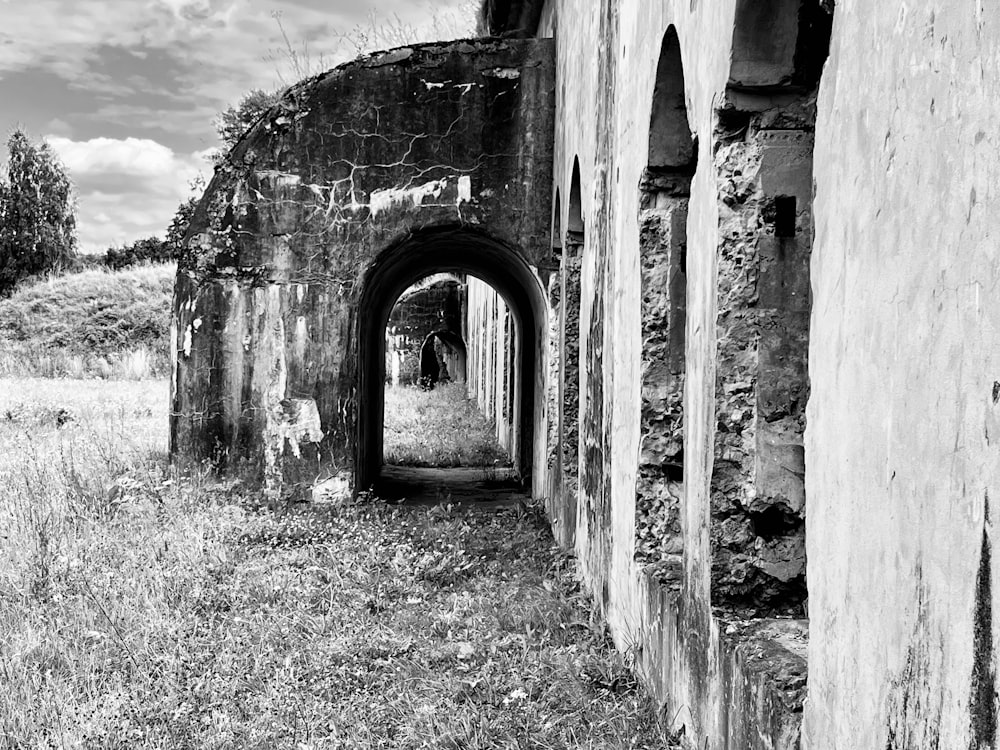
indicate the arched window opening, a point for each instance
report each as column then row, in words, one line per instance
column 764, row 142
column 665, row 190
column 671, row 144
column 565, row 401
column 557, row 240
column 575, row 226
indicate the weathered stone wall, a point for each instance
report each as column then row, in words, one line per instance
column 904, row 361
column 890, row 473
column 358, row 183
column 758, row 493
column 659, row 490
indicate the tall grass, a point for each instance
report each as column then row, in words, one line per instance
column 440, row 427
column 131, row 364
column 96, row 323
column 140, row 607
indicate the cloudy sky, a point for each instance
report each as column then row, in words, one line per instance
column 127, row 91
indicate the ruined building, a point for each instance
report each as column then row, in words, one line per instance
column 741, row 342
column 425, row 340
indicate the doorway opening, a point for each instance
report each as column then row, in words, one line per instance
column 450, row 324
column 441, row 429
column 664, row 194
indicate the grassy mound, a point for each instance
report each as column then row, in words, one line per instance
column 95, row 323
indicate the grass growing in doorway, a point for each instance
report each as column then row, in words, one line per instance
column 440, row 427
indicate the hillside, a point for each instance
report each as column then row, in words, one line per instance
column 94, row 323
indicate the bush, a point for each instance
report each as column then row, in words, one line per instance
column 149, row 250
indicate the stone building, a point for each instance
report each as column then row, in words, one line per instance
column 739, row 328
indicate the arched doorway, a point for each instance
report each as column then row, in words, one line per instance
column 453, row 250
column 665, row 188
column 442, row 358
column 763, row 140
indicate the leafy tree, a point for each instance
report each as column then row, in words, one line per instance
column 234, row 121
column 148, row 250
column 179, row 225
column 37, row 220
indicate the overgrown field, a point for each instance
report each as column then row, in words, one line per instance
column 97, row 323
column 141, row 607
column 441, row 427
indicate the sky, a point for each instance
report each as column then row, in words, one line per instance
column 127, row 91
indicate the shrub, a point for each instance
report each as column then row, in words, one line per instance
column 149, row 250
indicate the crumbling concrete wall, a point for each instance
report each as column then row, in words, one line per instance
column 904, row 361
column 356, row 184
column 649, row 422
column 758, row 491
column 890, row 473
column 659, row 482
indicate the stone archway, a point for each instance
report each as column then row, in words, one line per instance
column 357, row 183
column 462, row 250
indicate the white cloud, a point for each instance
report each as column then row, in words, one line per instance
column 127, row 188
column 131, row 156
column 212, row 10
column 158, row 71
column 238, row 36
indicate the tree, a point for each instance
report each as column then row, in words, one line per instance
column 234, row 121
column 37, row 219
column 148, row 250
